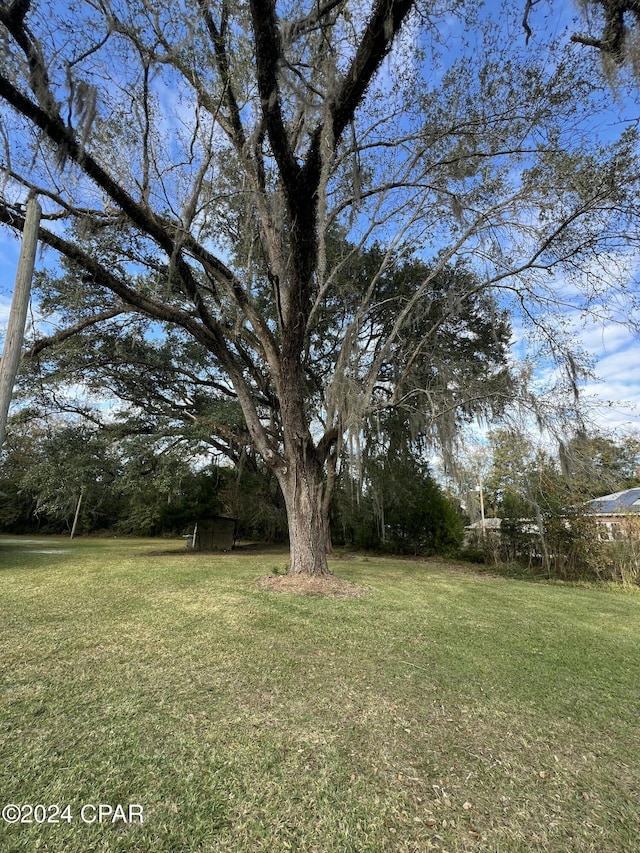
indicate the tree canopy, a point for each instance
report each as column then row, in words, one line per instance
column 241, row 188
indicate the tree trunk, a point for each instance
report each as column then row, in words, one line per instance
column 302, row 489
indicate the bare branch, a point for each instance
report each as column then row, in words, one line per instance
column 268, row 48
column 64, row 334
column 385, row 22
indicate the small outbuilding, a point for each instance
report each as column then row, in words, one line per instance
column 213, row 534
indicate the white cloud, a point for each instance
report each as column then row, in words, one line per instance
column 605, row 339
column 614, row 396
column 616, row 392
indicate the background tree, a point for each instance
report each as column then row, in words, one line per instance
column 53, row 473
column 163, row 489
column 542, row 498
column 387, row 497
column 17, row 504
column 145, row 484
column 211, row 212
column 595, row 464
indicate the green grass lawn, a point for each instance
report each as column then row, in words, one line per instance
column 447, row 710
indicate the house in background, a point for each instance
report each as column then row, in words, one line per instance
column 617, row 515
column 476, row 533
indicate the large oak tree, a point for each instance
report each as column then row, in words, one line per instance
column 198, row 163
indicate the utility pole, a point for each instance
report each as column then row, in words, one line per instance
column 18, row 315
column 77, row 515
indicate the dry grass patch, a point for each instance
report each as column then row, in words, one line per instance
column 329, row 586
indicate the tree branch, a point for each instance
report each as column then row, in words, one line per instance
column 310, row 21
column 64, row 334
column 375, row 44
column 589, row 41
column 268, row 47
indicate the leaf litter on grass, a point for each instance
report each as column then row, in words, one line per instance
column 328, row 586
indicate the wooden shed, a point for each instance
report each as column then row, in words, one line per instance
column 213, row 534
